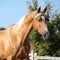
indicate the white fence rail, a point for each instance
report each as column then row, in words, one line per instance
column 34, row 56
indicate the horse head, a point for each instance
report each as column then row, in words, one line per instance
column 39, row 23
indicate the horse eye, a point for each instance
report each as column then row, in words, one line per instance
column 40, row 20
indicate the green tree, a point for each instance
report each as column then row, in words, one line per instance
column 52, row 45
column 32, row 7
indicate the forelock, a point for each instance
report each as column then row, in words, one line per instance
column 38, row 15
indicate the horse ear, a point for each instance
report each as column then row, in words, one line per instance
column 39, row 9
column 45, row 9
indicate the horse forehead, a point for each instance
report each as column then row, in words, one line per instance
column 40, row 14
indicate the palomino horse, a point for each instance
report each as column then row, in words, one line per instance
column 40, row 26
column 13, row 40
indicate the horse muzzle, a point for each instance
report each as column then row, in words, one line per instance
column 45, row 35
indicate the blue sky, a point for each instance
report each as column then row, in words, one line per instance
column 12, row 10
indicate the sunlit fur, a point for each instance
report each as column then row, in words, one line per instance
column 40, row 26
column 14, row 38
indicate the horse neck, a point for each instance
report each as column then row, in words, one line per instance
column 24, row 26
column 27, row 33
column 23, row 32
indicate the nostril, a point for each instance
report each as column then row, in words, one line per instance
column 45, row 35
